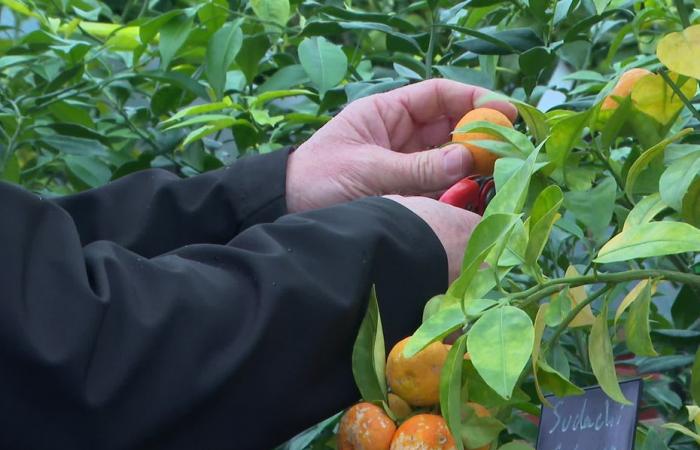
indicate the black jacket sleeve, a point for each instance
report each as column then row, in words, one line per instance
column 154, row 211
column 233, row 346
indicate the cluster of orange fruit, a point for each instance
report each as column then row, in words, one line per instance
column 414, row 382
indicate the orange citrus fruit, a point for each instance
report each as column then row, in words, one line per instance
column 624, row 87
column 365, row 427
column 483, row 159
column 423, row 432
column 416, row 379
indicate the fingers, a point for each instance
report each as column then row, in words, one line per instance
column 429, row 171
column 421, row 115
column 428, row 100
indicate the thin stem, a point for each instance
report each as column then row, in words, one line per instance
column 541, row 291
column 572, row 315
column 680, row 94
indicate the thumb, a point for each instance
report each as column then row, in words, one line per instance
column 434, row 170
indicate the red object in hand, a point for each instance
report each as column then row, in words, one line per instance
column 472, row 193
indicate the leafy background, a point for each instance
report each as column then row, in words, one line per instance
column 91, row 91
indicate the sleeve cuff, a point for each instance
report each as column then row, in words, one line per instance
column 258, row 184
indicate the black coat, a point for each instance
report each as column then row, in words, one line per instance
column 192, row 314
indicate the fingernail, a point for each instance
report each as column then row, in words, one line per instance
column 456, row 160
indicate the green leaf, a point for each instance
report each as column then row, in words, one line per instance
column 683, row 430
column 90, row 171
column 276, row 11
column 222, row 49
column 565, row 134
column 324, row 62
column 676, row 180
column 601, row 5
column 150, row 29
column 285, row 78
column 645, row 211
column 516, row 40
column 451, row 388
column 252, row 50
column 695, row 379
column 198, row 109
column 11, row 171
column 438, row 325
column 206, row 118
column 647, row 157
column 535, row 119
column 265, row 97
column 172, row 36
column 601, row 357
column 500, row 344
column 510, row 198
column 490, row 231
column 542, row 217
column 555, row 382
column 368, row 354
column 593, row 208
column 539, row 331
column 559, row 308
column 516, row 446
column 650, row 239
column 637, row 325
column 212, row 127
column 630, row 298
column 515, row 138
column 476, row 431
column 690, row 211
column 466, row 75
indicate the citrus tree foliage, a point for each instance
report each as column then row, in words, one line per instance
column 584, row 270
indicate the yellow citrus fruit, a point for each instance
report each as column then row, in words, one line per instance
column 365, row 427
column 398, row 406
column 624, row 87
column 416, row 379
column 423, row 432
column 483, row 159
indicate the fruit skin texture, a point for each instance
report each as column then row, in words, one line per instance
column 416, row 379
column 624, row 87
column 365, row 426
column 423, row 432
column 483, row 159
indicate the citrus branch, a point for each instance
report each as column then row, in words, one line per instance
column 547, row 288
column 572, row 315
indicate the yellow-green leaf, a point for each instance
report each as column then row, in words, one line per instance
column 678, row 51
column 648, row 156
column 637, row 325
column 276, row 11
column 578, row 294
column 654, row 97
column 683, row 430
column 650, row 239
column 631, row 296
column 539, row 331
column 601, row 357
column 645, row 211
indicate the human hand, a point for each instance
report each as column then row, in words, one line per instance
column 453, row 226
column 381, row 145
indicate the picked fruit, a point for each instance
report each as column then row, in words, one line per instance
column 484, row 160
column 416, row 379
column 624, row 87
column 365, row 426
column 423, row 432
